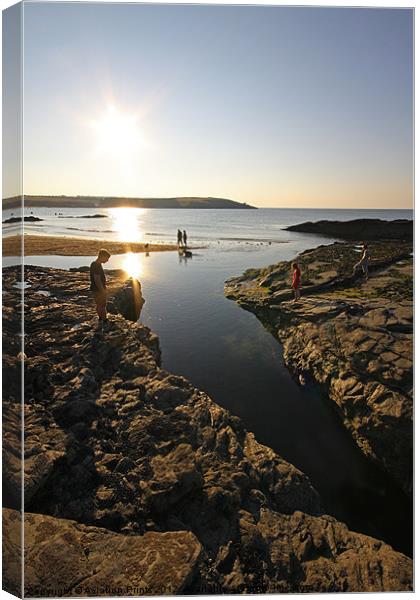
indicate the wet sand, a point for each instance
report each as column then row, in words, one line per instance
column 37, row 245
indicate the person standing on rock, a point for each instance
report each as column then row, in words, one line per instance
column 185, row 238
column 98, row 284
column 296, row 281
column 363, row 264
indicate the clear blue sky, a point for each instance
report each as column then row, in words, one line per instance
column 273, row 106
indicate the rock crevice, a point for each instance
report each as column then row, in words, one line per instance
column 126, row 455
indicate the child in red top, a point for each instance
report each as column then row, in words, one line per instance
column 296, row 281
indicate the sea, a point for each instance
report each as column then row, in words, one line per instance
column 226, row 228
column 225, row 351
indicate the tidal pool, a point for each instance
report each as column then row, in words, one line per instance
column 225, row 351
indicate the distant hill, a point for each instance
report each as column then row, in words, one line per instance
column 112, row 201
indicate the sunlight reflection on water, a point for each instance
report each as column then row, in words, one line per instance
column 128, row 224
column 132, row 264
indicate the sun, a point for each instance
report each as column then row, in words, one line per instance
column 118, row 134
column 132, row 265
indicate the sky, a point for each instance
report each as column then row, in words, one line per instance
column 274, row 106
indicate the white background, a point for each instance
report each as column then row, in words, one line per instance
column 390, row 4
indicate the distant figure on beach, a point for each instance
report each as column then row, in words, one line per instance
column 98, row 284
column 179, row 238
column 296, row 281
column 363, row 264
column 185, row 238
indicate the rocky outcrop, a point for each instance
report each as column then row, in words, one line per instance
column 325, row 268
column 65, row 558
column 30, row 219
column 95, row 216
column 359, row 229
column 316, row 551
column 45, row 444
column 141, row 453
column 355, row 339
column 12, row 396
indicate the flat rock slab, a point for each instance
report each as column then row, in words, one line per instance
column 323, row 269
column 65, row 558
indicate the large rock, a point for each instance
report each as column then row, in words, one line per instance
column 309, row 553
column 65, row 558
column 359, row 229
column 128, row 300
column 31, row 219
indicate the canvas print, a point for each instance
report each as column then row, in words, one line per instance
column 207, row 299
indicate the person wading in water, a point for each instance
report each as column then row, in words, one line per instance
column 179, row 238
column 98, row 284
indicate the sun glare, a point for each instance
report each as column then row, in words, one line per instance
column 118, row 134
column 132, row 265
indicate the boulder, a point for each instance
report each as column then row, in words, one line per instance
column 128, row 300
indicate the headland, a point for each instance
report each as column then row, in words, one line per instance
column 117, row 201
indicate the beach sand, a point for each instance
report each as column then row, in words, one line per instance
column 37, row 245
